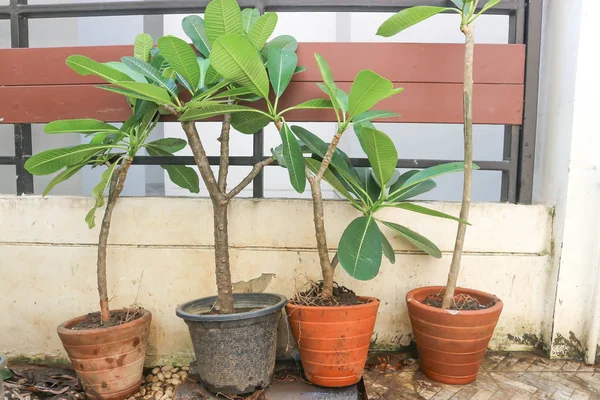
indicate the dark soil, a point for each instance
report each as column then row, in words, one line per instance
column 94, row 321
column 461, row 302
column 313, row 296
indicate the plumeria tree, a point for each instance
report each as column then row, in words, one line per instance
column 112, row 147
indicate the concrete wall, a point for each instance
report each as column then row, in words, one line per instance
column 161, row 255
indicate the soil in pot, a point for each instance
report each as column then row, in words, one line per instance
column 120, row 317
column 235, row 353
column 452, row 343
column 333, row 339
column 109, row 361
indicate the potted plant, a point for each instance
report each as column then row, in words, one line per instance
column 237, row 74
column 333, row 326
column 107, row 348
column 452, row 326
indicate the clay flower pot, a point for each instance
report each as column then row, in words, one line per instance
column 333, row 341
column 108, row 361
column 451, row 343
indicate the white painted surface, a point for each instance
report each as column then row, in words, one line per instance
column 48, row 263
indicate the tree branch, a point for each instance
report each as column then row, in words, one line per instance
column 246, row 181
column 328, row 155
column 224, row 159
column 202, row 161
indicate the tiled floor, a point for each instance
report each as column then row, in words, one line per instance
column 503, row 376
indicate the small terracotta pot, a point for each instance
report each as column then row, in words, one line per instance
column 451, row 343
column 108, row 361
column 333, row 341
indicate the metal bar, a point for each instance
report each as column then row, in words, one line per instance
column 533, row 36
column 19, row 37
column 511, row 154
column 96, row 9
column 357, row 162
column 22, row 152
column 258, row 145
column 7, row 160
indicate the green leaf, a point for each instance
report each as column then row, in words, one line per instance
column 330, row 87
column 388, row 250
column 407, row 18
column 204, row 65
column 193, row 26
column 402, row 180
column 235, row 92
column 281, row 66
column 360, row 248
column 237, row 60
column 98, row 193
column 373, row 114
column 329, row 177
column 181, row 58
column 182, row 176
column 86, row 66
column 85, row 126
column 51, row 161
column 434, row 171
column 169, row 73
column 144, row 91
column 381, row 152
column 249, row 122
column 63, row 176
column 212, row 76
column 369, row 183
column 149, row 71
column 367, row 90
column 283, row 42
column 488, row 5
column 412, row 191
column 263, row 29
column 428, row 211
column 222, row 17
column 142, row 46
column 170, row 145
column 299, row 69
column 458, row 3
column 249, row 18
column 313, row 104
column 159, row 62
column 419, row 241
column 339, row 160
column 134, row 75
column 294, row 160
column 213, row 110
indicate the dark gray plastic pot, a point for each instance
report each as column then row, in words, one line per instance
column 235, row 353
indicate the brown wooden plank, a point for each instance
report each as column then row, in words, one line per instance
column 399, row 62
column 420, row 102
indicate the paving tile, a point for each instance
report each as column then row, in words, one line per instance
column 580, row 395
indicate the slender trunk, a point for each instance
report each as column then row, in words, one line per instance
column 327, row 270
column 224, row 159
column 116, row 187
column 223, row 268
column 468, row 30
column 327, row 267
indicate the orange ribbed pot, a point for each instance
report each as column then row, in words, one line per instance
column 108, row 361
column 451, row 344
column 333, row 341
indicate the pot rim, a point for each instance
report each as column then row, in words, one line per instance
column 492, row 310
column 373, row 300
column 280, row 302
column 63, row 330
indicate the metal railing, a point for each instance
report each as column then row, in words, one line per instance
column 525, row 20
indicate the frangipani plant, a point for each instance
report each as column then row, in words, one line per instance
column 368, row 190
column 113, row 147
column 467, row 10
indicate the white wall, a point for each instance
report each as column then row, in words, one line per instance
column 47, row 264
column 567, row 165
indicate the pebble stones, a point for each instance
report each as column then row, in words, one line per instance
column 160, row 383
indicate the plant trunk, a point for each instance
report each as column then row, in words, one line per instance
column 222, row 266
column 220, row 204
column 116, row 187
column 327, row 267
column 468, row 30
